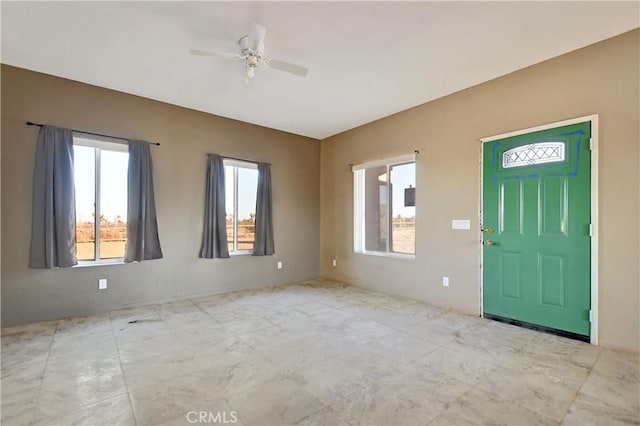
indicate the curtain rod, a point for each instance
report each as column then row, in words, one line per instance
column 242, row 159
column 29, row 123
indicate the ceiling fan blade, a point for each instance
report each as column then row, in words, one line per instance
column 287, row 67
column 220, row 53
column 256, row 37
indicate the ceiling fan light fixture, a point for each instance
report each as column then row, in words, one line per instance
column 251, row 71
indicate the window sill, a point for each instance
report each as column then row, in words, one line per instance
column 104, row 262
column 241, row 253
column 390, row 255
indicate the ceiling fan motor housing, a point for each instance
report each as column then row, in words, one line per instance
column 251, row 56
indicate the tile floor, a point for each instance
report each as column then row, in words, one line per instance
column 314, row 353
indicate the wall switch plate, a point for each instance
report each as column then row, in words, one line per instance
column 460, row 224
column 445, row 281
column 334, row 262
column 102, row 284
column 279, row 264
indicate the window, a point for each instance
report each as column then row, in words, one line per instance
column 536, row 153
column 241, row 188
column 384, row 210
column 100, row 174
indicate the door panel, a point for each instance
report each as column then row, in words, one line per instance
column 553, row 206
column 511, row 275
column 511, row 214
column 552, row 280
column 536, row 196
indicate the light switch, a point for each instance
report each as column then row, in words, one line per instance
column 460, row 224
column 102, row 284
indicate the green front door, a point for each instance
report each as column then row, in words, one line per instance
column 536, row 220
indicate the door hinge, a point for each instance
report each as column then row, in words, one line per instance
column 591, row 229
column 590, row 144
column 590, row 315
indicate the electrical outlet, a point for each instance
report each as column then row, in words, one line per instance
column 445, row 281
column 102, row 284
column 279, row 264
column 334, row 262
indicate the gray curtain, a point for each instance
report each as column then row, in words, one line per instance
column 264, row 213
column 143, row 242
column 214, row 240
column 53, row 226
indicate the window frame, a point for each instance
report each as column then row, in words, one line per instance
column 236, row 164
column 359, row 222
column 99, row 143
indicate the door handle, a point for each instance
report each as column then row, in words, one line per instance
column 488, row 243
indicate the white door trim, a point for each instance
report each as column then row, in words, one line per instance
column 594, row 207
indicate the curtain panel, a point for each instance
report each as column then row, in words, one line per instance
column 53, row 222
column 264, row 245
column 143, row 242
column 214, row 240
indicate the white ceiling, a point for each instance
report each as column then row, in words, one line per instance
column 366, row 60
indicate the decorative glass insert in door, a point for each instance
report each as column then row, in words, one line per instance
column 535, row 153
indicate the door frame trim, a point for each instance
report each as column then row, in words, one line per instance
column 593, row 119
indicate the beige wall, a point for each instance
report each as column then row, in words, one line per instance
column 601, row 79
column 180, row 168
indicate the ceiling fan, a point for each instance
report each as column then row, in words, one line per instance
column 251, row 51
